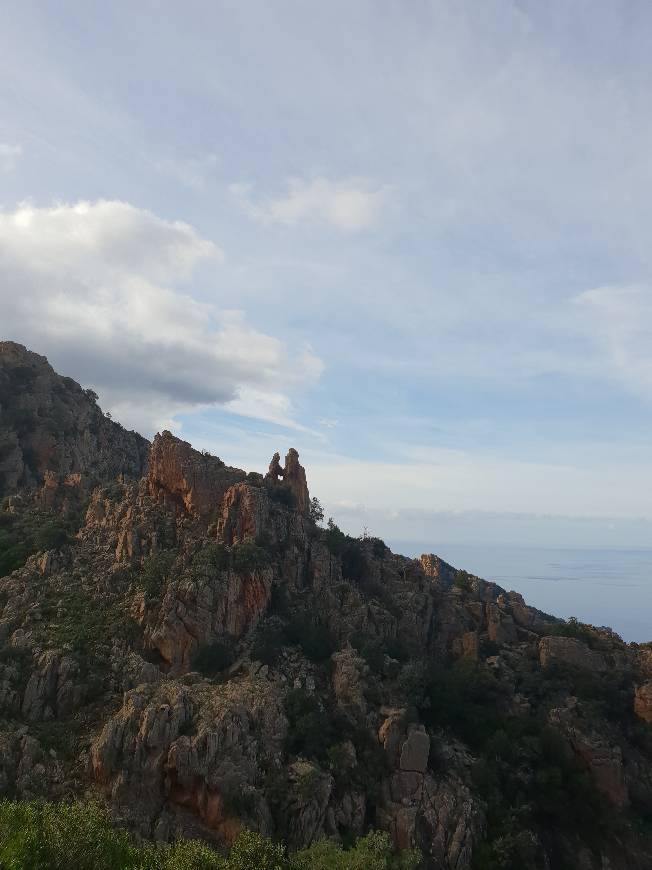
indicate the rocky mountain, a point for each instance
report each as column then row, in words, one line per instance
column 186, row 642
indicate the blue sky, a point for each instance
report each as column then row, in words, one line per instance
column 411, row 240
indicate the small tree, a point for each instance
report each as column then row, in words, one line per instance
column 316, row 510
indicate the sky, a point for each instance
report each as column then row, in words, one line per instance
column 410, row 240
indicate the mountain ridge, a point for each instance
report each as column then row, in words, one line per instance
column 184, row 641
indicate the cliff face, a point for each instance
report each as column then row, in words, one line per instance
column 199, row 654
column 52, row 433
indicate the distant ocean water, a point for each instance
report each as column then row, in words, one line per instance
column 602, row 586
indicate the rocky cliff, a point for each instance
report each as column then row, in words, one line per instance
column 181, row 640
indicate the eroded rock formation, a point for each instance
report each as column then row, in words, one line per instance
column 200, row 653
column 177, row 474
column 292, row 476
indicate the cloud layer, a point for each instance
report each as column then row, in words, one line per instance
column 349, row 206
column 621, row 319
column 9, row 156
column 97, row 287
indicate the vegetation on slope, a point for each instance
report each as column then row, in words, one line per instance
column 42, row 836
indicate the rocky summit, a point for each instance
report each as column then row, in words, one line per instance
column 187, row 643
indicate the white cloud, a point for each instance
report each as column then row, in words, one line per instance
column 620, row 318
column 350, row 206
column 92, row 285
column 9, row 156
column 192, row 172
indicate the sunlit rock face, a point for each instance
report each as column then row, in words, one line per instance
column 177, row 474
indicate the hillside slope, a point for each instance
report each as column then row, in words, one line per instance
column 182, row 640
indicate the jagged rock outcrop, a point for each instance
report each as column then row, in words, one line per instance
column 292, row 477
column 570, row 651
column 198, row 610
column 53, row 689
column 51, row 430
column 190, row 747
column 438, row 814
column 179, row 475
column 196, row 651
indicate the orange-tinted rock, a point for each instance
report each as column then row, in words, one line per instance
column 643, row 701
column 294, row 475
column 179, row 474
column 436, row 569
column 245, row 513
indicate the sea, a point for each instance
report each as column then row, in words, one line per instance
column 610, row 587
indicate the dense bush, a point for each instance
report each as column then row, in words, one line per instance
column 247, row 555
column 464, row 699
column 210, row 559
column 319, row 732
column 526, row 771
column 35, row 836
column 22, row 535
column 310, row 732
column 530, row 766
column 314, row 638
column 349, row 550
column 578, row 630
column 335, row 538
column 281, row 494
column 155, row 572
column 378, row 547
column 300, row 630
column 463, row 580
column 268, row 642
column 49, row 836
column 374, row 650
column 372, row 852
column 74, row 618
column 213, row 658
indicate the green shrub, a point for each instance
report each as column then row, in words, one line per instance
column 350, row 551
column 314, row 638
column 41, row 836
column 281, row 495
column 311, row 729
column 248, row 556
column 156, row 571
column 73, row 836
column 213, row 658
column 268, row 642
column 373, row 852
column 210, row 560
column 22, row 535
column 316, row 511
column 379, row 548
column 252, row 850
column 353, row 560
column 335, row 538
column 463, row 580
column 463, row 699
column 578, row 630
